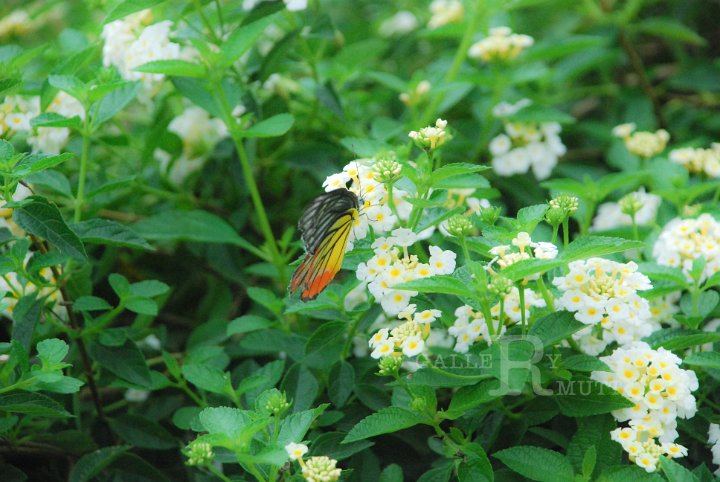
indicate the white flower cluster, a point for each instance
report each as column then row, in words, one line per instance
column 505, row 255
column 661, row 391
column 315, row 469
column 610, row 215
column 392, row 265
column 684, row 240
column 470, row 326
column 698, row 160
column 374, row 211
column 501, row 44
column 603, row 295
column 417, row 94
column 641, row 143
column 17, row 23
column 662, row 308
column 444, row 12
column 199, row 134
column 291, row 5
column 462, row 198
column 16, row 112
column 129, row 43
column 714, row 439
column 430, row 137
column 401, row 23
column 525, row 145
column 408, row 338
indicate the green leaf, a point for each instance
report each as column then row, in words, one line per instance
column 469, row 397
column 93, row 463
column 676, row 472
column 325, row 345
column 582, row 397
column 341, row 382
column 126, row 7
column 125, row 361
column 455, row 169
column 43, row 219
column 206, row 377
column 301, row 387
column 70, row 84
column 554, row 327
column 177, row 67
column 588, row 463
column 142, row 432
column 438, row 474
column 224, row 420
column 52, row 351
column 241, row 40
column 387, row 420
column 247, row 324
column 679, row 340
column 142, row 306
column 197, row 226
column 594, row 431
column 103, row 231
column 437, row 284
column 6, row 150
column 53, row 119
column 106, row 108
column 706, row 303
column 330, row 444
column 31, row 403
column 275, row 126
column 52, row 180
column 592, row 246
column 585, row 363
column 39, row 162
column 705, row 359
column 537, row 463
column 149, row 288
column 477, row 467
column 295, row 426
column 26, row 315
column 669, row 28
column 539, row 113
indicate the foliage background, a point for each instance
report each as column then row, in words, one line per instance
column 594, row 65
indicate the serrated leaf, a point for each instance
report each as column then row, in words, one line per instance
column 536, row 463
column 125, row 361
column 581, row 398
column 705, row 359
column 247, row 324
column 437, row 284
column 52, row 351
column 32, row 403
column 103, row 231
column 43, row 219
column 93, row 463
column 106, row 108
column 142, row 432
column 387, row 420
column 176, row 67
column 242, row 39
column 273, row 127
column 554, row 327
column 206, row 377
column 53, row 119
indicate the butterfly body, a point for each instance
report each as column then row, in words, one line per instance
column 325, row 228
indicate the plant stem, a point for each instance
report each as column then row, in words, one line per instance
column 547, row 296
column 80, row 196
column 521, row 295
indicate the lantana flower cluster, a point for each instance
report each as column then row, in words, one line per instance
column 406, row 339
column 392, row 265
column 132, row 41
column 505, row 255
column 444, row 12
column 641, row 143
column 603, row 295
column 682, row 241
column 470, row 325
column 16, row 112
column 699, row 160
column 315, row 469
column 615, row 214
column 714, row 439
column 199, row 134
column 662, row 393
column 431, row 137
column 501, row 45
column 359, row 177
column 525, row 145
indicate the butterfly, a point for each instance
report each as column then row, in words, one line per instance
column 325, row 227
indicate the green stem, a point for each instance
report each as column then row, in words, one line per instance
column 547, row 296
column 237, row 138
column 460, row 54
column 521, row 295
column 566, row 233
column 636, row 236
column 217, row 473
column 80, row 197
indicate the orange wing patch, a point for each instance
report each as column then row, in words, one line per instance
column 318, row 269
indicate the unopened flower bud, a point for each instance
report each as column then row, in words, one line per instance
column 386, row 170
column 459, row 225
column 500, row 285
column 199, row 453
column 389, row 365
column 490, row 214
column 630, row 204
column 430, row 138
column 273, row 402
column 567, row 203
column 321, row 469
column 555, row 216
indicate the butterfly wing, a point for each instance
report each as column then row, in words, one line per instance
column 325, row 227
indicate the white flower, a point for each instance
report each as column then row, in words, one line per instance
column 136, row 396
column 684, row 240
column 412, row 346
column 522, row 240
column 610, row 215
column 624, row 130
column 714, row 439
column 444, row 12
column 295, row 5
column 402, row 22
column 501, row 45
column 403, row 237
column 355, row 297
column 543, row 250
column 384, row 348
column 603, row 294
column 295, row 450
column 427, row 316
column 442, row 262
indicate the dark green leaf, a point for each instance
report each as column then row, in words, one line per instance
column 31, row 403
column 537, row 463
column 103, row 231
column 142, row 432
column 125, row 361
column 93, row 463
column 387, row 420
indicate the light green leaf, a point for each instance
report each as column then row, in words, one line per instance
column 669, row 28
column 126, row 7
column 676, row 472
column 537, row 463
column 592, row 246
column 274, row 126
column 52, row 351
column 387, row 420
column 455, row 169
column 705, row 359
column 437, row 284
column 176, row 67
column 206, row 377
column 241, row 40
column 53, row 119
column 106, row 108
column 539, row 113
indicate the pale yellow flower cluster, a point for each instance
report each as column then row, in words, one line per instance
column 642, row 143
